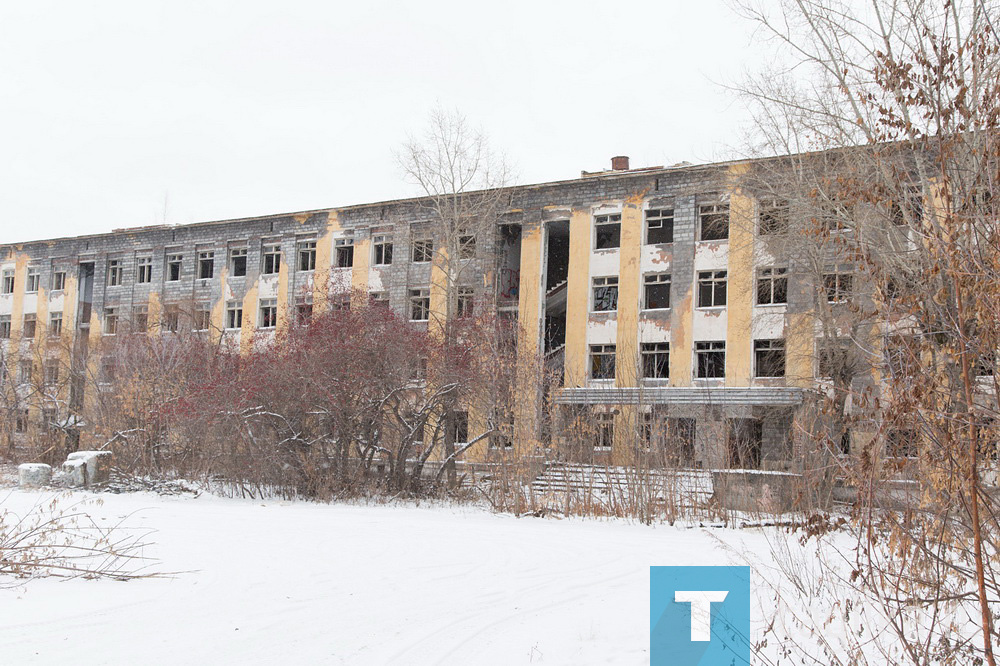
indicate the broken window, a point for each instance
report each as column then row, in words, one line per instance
column 772, row 286
column 379, row 299
column 604, row 431
column 605, row 291
column 657, row 291
column 832, row 357
column 837, row 286
column 383, row 250
column 769, row 358
column 174, row 267
column 48, row 418
column 140, row 318
column 656, row 360
column 908, row 208
column 106, row 374
column 144, row 270
column 237, row 261
column 234, row 314
column 202, row 317
column 21, row 420
column 206, row 265
column 774, row 216
column 7, row 281
column 268, row 312
column 24, row 371
column 307, row 255
column 59, row 280
column 602, row 361
column 711, row 289
column 110, row 321
column 4, row 327
column 659, row 226
column 711, row 358
column 272, row 258
column 55, row 324
column 30, row 324
column 115, row 271
column 466, row 247
column 713, row 222
column 420, row 304
column 608, row 231
column 834, row 216
column 51, row 372
column 303, row 311
column 460, row 434
column 345, row 252
column 465, row 302
column 423, row 250
column 172, row 318
column 34, row 280
column 679, row 444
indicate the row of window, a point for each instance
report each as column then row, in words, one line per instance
column 33, row 281
column 29, row 325
column 710, row 360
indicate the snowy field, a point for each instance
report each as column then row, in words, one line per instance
column 299, row 583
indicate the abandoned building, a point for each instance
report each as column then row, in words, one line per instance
column 644, row 286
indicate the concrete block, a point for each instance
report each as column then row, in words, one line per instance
column 97, row 465
column 75, row 473
column 33, row 475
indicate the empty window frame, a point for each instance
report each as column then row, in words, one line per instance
column 34, row 280
column 303, row 311
column 602, row 361
column 607, row 231
column 59, row 280
column 712, row 289
column 172, row 318
column 907, row 208
column 144, row 270
column 655, row 360
column 460, row 427
column 656, row 291
column 25, row 369
column 379, row 299
column 29, row 325
column 832, row 357
column 659, row 226
column 21, row 421
column 772, row 286
column 268, row 313
column 7, row 281
column 467, row 247
column 834, row 216
column 344, row 252
column 769, row 358
column 465, row 300
column 713, row 222
column 174, row 262
column 110, row 321
column 50, row 372
column 605, row 294
column 604, row 431
column 115, row 272
column 837, row 286
column 307, row 255
column 140, row 318
column 4, row 327
column 773, row 217
column 202, row 317
column 420, row 304
column 423, row 250
column 238, row 261
column 55, row 324
column 206, row 265
column 272, row 258
column 383, row 250
column 711, row 359
column 234, row 315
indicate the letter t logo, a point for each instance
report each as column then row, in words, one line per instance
column 701, row 610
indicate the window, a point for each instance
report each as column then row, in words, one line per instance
column 7, row 281
column 307, row 255
column 656, row 291
column 21, row 421
column 203, row 317
column 33, row 282
column 608, row 231
column 423, row 250
column 985, row 365
column 238, row 261
column 51, row 373
column 713, row 222
column 106, row 374
column 655, row 360
column 711, row 289
column 711, row 358
column 465, row 302
column 909, row 210
column 602, row 361
column 604, row 431
column 268, row 313
column 140, row 318
column 115, row 272
column 834, row 216
column 466, row 247
column 24, row 371
column 383, row 250
column 460, row 434
column 774, row 217
column 272, row 258
column 838, row 287
column 605, row 290
column 340, row 301
column 345, row 252
column 143, row 270
column 769, row 358
column 845, row 442
column 58, row 280
column 4, row 327
column 110, row 321
column 303, row 311
column 420, row 304
column 172, row 318
column 206, row 265
column 30, row 323
column 234, row 314
column 48, row 418
column 174, row 267
column 772, row 286
column 901, row 443
column 379, row 299
column 832, row 357
column 55, row 324
column 902, row 355
column 660, row 226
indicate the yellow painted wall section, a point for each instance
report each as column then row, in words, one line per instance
column 249, row 329
column 577, row 300
column 439, row 292
column 681, row 323
column 70, row 303
column 628, row 292
column 739, row 332
column 17, row 305
column 42, row 314
column 324, row 256
column 529, row 315
column 359, row 274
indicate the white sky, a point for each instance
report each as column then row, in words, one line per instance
column 229, row 109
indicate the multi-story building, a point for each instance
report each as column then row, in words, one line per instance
column 645, row 286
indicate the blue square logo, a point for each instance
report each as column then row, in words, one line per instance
column 699, row 616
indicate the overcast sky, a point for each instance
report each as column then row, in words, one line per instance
column 120, row 114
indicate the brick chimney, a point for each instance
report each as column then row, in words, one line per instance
column 619, row 163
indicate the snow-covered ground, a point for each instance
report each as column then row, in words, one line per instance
column 300, row 583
